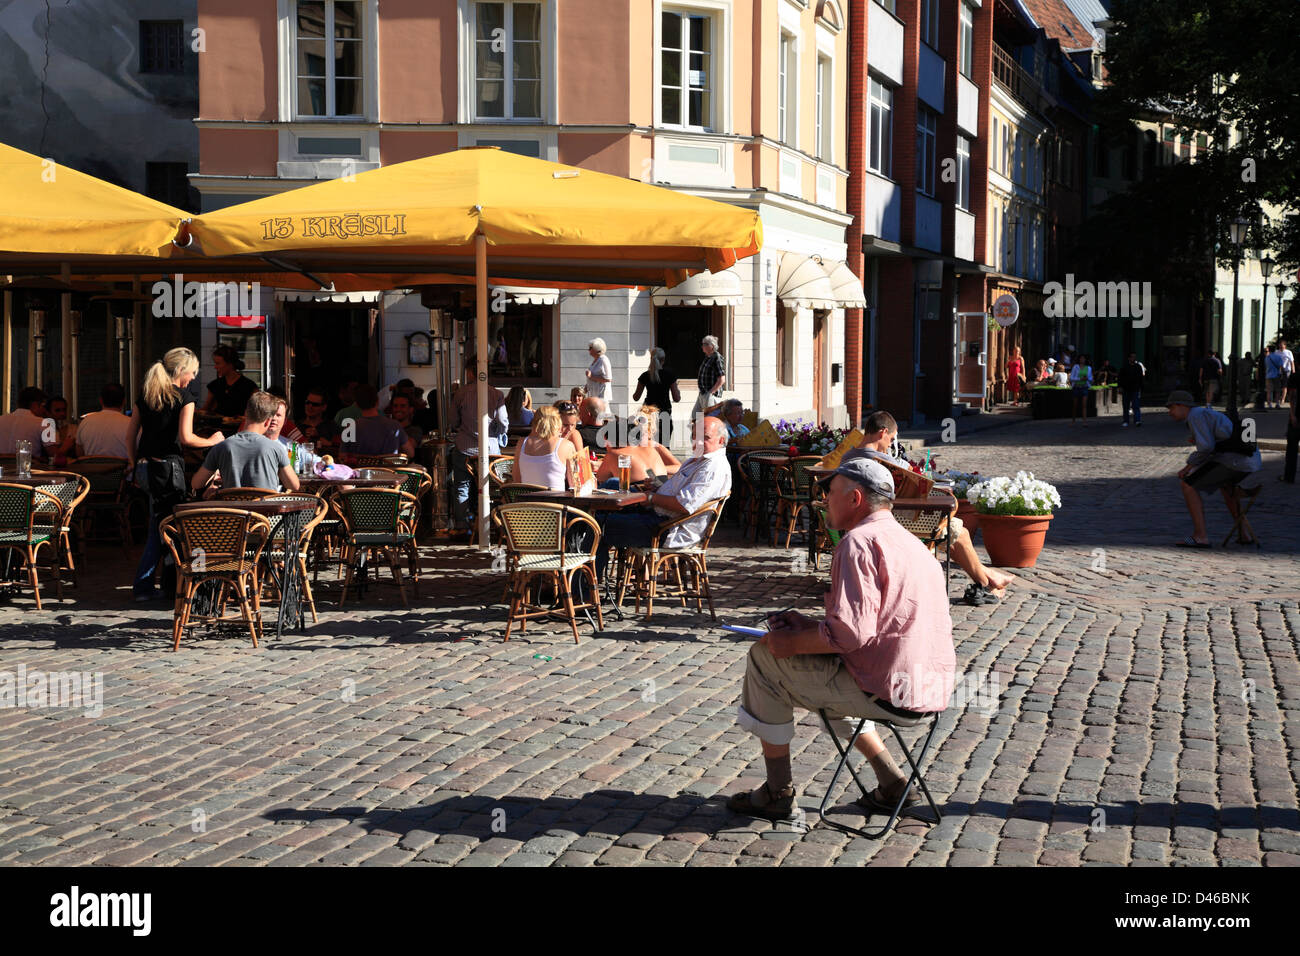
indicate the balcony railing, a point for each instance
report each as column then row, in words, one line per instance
column 1013, row 77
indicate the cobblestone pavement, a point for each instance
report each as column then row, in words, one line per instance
column 1146, row 710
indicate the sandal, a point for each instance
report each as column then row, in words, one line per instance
column 774, row 808
column 1192, row 543
column 875, row 802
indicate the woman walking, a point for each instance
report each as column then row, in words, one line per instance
column 1080, row 389
column 600, row 374
column 659, row 385
column 1015, row 375
column 543, row 456
column 164, row 424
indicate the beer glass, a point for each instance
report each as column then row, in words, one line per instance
column 23, row 456
column 624, row 472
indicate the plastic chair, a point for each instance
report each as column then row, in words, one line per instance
column 221, row 545
column 643, row 565
column 535, row 536
column 20, row 531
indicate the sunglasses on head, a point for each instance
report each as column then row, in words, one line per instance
column 567, row 408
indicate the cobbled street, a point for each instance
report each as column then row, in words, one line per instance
column 1145, row 709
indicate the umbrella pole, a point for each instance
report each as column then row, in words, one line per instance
column 481, row 332
column 67, row 384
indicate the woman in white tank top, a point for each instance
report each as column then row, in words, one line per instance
column 542, row 457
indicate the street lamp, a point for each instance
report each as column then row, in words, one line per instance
column 1265, row 269
column 1237, row 232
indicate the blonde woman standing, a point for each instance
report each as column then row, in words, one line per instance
column 164, row 424
column 659, row 385
column 542, row 457
column 600, row 374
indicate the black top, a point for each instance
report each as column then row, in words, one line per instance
column 1130, row 377
column 158, row 430
column 232, row 399
column 661, row 395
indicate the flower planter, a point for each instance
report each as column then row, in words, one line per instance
column 968, row 514
column 1014, row 541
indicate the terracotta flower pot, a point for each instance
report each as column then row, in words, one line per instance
column 1014, row 541
column 968, row 514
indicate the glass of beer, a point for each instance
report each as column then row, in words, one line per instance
column 624, row 472
column 23, row 458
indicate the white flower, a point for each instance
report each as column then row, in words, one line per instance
column 1022, row 495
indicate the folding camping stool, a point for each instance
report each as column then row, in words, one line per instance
column 916, row 777
column 1245, row 499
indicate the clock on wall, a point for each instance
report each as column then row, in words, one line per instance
column 419, row 349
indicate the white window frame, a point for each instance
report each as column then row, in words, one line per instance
column 885, row 102
column 507, row 78
column 788, row 88
column 927, row 142
column 930, row 23
column 824, row 132
column 719, row 12
column 467, row 92
column 966, row 41
column 963, row 172
column 287, row 43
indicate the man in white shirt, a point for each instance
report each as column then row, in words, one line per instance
column 702, row 477
column 106, row 432
column 29, row 420
column 1288, row 366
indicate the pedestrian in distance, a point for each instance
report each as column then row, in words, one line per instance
column 1130, row 389
column 1080, row 388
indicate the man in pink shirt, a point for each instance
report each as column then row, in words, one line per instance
column 884, row 650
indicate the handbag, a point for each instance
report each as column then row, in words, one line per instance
column 165, row 479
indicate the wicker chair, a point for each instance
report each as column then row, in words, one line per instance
column 826, row 539
column 110, row 495
column 21, row 532
column 220, row 545
column 372, row 523
column 794, row 492
column 759, row 485
column 501, row 471
column 379, row 461
column 643, row 565
column 930, row 520
column 276, row 549
column 512, row 490
column 535, row 536
column 71, row 489
column 244, row 494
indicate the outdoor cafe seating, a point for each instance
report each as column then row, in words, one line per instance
column 23, row 534
column 644, row 566
column 373, row 527
column 540, row 540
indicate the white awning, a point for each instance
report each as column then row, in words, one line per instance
column 325, row 295
column 526, row 295
column 703, row 288
column 846, row 286
column 802, row 283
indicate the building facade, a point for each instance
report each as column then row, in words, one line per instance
column 733, row 101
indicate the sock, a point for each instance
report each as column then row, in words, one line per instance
column 891, row 779
column 779, row 775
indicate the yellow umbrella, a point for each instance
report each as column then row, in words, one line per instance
column 442, row 215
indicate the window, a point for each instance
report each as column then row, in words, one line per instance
column 966, row 42
column 825, row 120
column 930, row 22
column 329, row 85
column 963, row 173
column 527, row 331
column 927, row 128
column 890, row 5
column 1254, row 321
column 686, row 92
column 880, row 155
column 169, row 183
column 785, row 326
column 995, row 139
column 508, row 61
column 679, row 328
column 162, row 46
column 1006, row 151
column 787, row 100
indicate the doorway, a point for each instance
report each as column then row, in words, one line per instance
column 327, row 345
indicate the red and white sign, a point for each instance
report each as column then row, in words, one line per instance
column 241, row 321
column 1006, row 310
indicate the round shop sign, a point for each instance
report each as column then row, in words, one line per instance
column 1006, row 310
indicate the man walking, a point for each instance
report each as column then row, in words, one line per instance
column 1130, row 388
column 712, row 377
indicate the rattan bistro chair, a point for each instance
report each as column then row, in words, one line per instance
column 372, row 524
column 244, row 494
column 794, row 493
column 930, row 520
column 276, row 550
column 110, row 495
column 535, row 536
column 71, row 490
column 643, row 565
column 221, row 545
column 379, row 461
column 20, row 531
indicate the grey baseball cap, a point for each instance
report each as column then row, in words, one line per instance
column 863, row 468
column 1180, row 397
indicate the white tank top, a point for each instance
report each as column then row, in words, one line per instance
column 546, row 470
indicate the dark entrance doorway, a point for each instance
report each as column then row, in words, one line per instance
column 327, row 345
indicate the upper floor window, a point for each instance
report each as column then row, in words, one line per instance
column 686, row 62
column 963, row 172
column 162, row 46
column 930, row 22
column 966, row 42
column 787, row 100
column 825, row 121
column 927, row 128
column 890, row 5
column 880, row 155
column 508, row 61
column 330, row 77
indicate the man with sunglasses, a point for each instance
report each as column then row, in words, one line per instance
column 314, row 425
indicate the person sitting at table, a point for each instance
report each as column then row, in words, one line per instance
column 987, row 584
column 402, row 411
column 106, row 432
column 315, row 426
column 542, row 457
column 230, row 391
column 277, row 427
column 568, row 412
column 66, row 443
column 248, row 459
column 732, row 411
column 701, row 478
column 28, row 421
column 592, row 415
column 1040, row 374
column 519, row 406
column 884, row 650
column 644, row 452
column 371, row 433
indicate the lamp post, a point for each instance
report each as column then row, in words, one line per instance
column 1237, row 231
column 1265, row 269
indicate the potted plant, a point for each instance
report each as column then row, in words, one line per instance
column 1014, row 514
column 804, row 438
column 961, row 482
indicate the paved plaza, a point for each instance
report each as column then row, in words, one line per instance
column 1129, row 703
